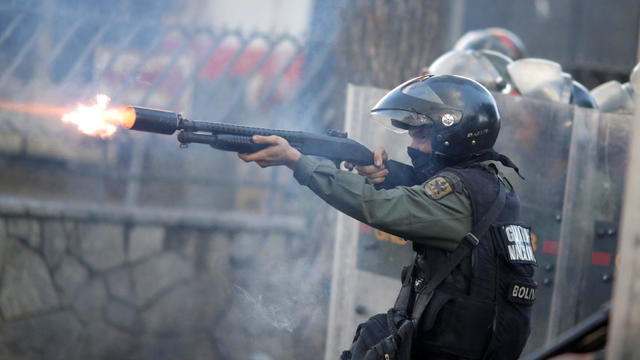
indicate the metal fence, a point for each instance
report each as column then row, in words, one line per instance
column 50, row 61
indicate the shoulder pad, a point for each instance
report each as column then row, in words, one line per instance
column 488, row 166
column 443, row 184
column 492, row 168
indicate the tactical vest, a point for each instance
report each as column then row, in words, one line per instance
column 482, row 309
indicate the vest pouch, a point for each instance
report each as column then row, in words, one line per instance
column 516, row 295
column 455, row 324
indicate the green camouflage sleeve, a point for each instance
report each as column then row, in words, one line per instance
column 437, row 213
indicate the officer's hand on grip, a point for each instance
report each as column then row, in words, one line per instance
column 377, row 172
column 280, row 152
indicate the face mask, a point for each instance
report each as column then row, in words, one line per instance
column 420, row 160
column 425, row 163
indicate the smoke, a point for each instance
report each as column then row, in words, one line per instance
column 157, row 275
column 273, row 313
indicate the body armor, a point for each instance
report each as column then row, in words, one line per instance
column 482, row 309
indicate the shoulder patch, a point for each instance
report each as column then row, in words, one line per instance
column 453, row 180
column 438, row 187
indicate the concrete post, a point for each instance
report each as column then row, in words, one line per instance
column 624, row 324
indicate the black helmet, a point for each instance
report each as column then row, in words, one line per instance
column 494, row 38
column 501, row 62
column 487, row 67
column 580, row 96
column 462, row 113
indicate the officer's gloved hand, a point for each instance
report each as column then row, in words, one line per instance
column 405, row 332
column 386, row 349
column 395, row 346
column 375, row 173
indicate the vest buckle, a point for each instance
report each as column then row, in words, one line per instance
column 471, row 239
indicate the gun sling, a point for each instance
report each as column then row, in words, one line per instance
column 424, row 292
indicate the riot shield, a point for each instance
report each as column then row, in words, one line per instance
column 367, row 262
column 574, row 161
column 591, row 213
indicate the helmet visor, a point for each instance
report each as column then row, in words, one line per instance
column 399, row 121
column 414, row 103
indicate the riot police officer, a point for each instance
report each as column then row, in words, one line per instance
column 469, row 291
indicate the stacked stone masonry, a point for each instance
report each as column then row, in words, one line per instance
column 72, row 289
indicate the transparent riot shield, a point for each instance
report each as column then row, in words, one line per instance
column 367, row 262
column 574, row 161
column 588, row 256
column 536, row 135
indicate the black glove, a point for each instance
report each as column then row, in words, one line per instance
column 396, row 346
column 386, row 349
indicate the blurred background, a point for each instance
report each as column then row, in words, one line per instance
column 130, row 248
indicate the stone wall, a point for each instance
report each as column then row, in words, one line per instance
column 100, row 282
